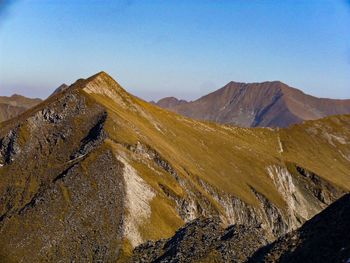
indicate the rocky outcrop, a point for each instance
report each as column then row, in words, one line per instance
column 94, row 138
column 305, row 192
column 203, row 240
column 236, row 211
column 9, row 147
column 62, row 188
column 138, row 195
column 324, row 238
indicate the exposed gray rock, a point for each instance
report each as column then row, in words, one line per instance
column 203, row 239
column 9, row 147
column 324, row 238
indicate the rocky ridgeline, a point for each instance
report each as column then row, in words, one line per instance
column 204, row 239
column 57, row 180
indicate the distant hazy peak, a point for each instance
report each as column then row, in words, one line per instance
column 14, row 96
column 170, row 102
column 16, row 104
column 265, row 104
column 61, row 88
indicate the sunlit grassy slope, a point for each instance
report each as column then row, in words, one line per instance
column 173, row 168
column 230, row 159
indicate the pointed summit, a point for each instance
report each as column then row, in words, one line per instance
column 102, row 76
column 103, row 84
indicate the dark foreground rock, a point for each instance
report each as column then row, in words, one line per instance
column 324, row 238
column 204, row 240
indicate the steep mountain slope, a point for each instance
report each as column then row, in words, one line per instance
column 324, row 238
column 267, row 104
column 93, row 171
column 15, row 105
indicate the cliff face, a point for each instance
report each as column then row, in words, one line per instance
column 266, row 104
column 92, row 172
column 324, row 238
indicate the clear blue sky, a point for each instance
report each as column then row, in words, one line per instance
column 181, row 48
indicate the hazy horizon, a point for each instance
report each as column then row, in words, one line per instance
column 184, row 49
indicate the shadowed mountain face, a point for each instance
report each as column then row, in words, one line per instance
column 267, row 104
column 324, row 238
column 92, row 172
column 15, row 105
column 204, row 240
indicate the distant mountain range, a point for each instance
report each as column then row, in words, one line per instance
column 266, row 104
column 15, row 105
column 93, row 172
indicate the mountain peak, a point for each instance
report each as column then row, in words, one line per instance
column 102, row 78
column 102, row 84
column 101, row 75
column 264, row 104
column 93, row 84
column 264, row 84
column 168, row 102
column 15, row 95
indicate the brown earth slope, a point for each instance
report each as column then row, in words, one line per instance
column 267, row 104
column 15, row 105
column 92, row 172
